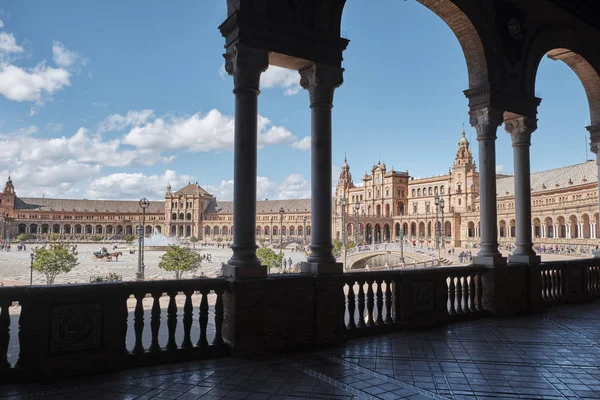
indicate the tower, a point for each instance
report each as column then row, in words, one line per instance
column 464, row 180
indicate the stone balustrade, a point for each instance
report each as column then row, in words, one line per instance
column 80, row 329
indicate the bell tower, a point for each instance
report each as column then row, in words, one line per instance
column 7, row 198
column 465, row 180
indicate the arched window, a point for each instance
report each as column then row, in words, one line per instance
column 413, row 193
column 442, row 190
column 174, row 216
column 436, row 190
column 430, row 191
column 188, row 216
column 419, row 192
column 387, row 192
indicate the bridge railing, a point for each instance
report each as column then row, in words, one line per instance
column 377, row 301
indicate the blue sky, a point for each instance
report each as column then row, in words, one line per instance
column 113, row 99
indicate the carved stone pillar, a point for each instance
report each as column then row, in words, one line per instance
column 486, row 122
column 321, row 82
column 594, row 131
column 245, row 65
column 520, row 130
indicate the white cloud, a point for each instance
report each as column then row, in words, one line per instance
column 1, row 24
column 118, row 122
column 66, row 58
column 302, row 144
column 8, row 44
column 292, row 187
column 18, row 84
column 277, row 77
column 499, row 169
column 54, row 127
column 135, row 186
column 210, row 132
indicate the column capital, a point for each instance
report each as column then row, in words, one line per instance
column 246, row 64
column 520, row 130
column 321, row 81
column 594, row 139
column 486, row 121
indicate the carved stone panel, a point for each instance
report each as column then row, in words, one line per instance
column 423, row 297
column 76, row 327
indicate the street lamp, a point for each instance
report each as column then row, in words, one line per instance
column 357, row 232
column 437, row 236
column 281, row 212
column 144, row 203
column 31, row 270
column 304, row 230
column 271, row 232
column 343, row 204
column 443, row 228
column 401, row 246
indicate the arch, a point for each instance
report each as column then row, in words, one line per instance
column 293, row 231
column 148, row 230
column 216, row 231
column 387, row 210
column 188, row 216
column 400, row 208
column 512, row 225
column 568, row 46
column 174, row 216
column 300, row 231
column 447, row 229
column 378, row 210
column 56, row 228
column 369, row 211
column 369, row 233
column 419, row 192
column 207, row 230
column 471, row 229
column 158, row 229
column 98, row 230
column 413, row 193
column 119, row 229
column 587, row 231
column 429, row 192
column 549, row 227
column 537, row 228
column 502, row 228
column 181, row 217
column 224, row 231
column 413, row 229
column 429, row 229
column 275, row 230
column 562, row 228
column 180, row 233
column 405, row 228
column 397, row 229
column 67, row 229
column 573, row 227
column 21, row 228
column 109, row 230
column 387, row 234
column 283, row 230
column 421, row 229
column 78, row 229
column 33, row 229
column 266, row 230
column 258, row 231
column 377, row 233
column 129, row 230
column 441, row 189
column 173, row 231
column 45, row 229
column 188, row 231
column 436, row 190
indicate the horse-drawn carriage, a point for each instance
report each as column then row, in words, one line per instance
column 104, row 255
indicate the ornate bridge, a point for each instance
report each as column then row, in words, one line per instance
column 359, row 257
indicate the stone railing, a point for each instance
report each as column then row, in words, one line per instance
column 72, row 329
column 379, row 301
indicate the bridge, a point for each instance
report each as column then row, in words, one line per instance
column 359, row 257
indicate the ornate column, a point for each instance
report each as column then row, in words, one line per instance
column 246, row 65
column 321, row 82
column 486, row 122
column 594, row 131
column 520, row 130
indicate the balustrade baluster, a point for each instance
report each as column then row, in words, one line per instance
column 187, row 320
column 370, row 303
column 351, row 305
column 379, row 297
column 553, row 284
column 479, row 292
column 218, row 340
column 138, row 323
column 559, row 284
column 155, row 322
column 459, row 296
column 4, row 334
column 595, row 285
column 451, row 294
column 543, row 284
column 172, row 321
column 203, row 319
column 388, row 301
column 361, row 304
column 590, row 284
column 471, row 297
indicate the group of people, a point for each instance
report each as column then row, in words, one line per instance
column 5, row 246
column 206, row 257
column 465, row 256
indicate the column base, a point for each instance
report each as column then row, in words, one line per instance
column 239, row 273
column 322, row 268
column 524, row 259
column 489, row 260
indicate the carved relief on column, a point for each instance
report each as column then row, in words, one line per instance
column 321, row 82
column 594, row 140
column 486, row 121
column 246, row 64
column 520, row 130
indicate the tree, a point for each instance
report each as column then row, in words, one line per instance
column 54, row 237
column 179, row 259
column 337, row 247
column 57, row 259
column 194, row 240
column 22, row 237
column 97, row 238
column 269, row 258
column 129, row 238
column 261, row 241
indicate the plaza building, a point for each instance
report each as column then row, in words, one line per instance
column 390, row 205
column 190, row 211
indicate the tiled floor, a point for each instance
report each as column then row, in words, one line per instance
column 555, row 355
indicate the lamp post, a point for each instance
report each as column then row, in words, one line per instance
column 271, row 232
column 31, row 270
column 343, row 204
column 357, row 232
column 304, row 231
column 144, row 203
column 437, row 236
column 443, row 228
column 401, row 246
column 281, row 212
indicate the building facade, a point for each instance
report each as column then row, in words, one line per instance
column 389, row 205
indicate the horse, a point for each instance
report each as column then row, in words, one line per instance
column 116, row 255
